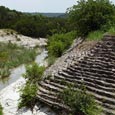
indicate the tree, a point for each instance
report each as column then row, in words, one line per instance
column 91, row 15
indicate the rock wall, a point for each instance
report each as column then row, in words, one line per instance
column 90, row 63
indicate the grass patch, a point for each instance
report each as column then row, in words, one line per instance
column 95, row 36
column 12, row 56
column 51, row 60
column 98, row 35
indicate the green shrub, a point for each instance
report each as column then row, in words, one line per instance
column 28, row 96
column 58, row 43
column 34, row 73
column 56, row 48
column 33, row 76
column 79, row 101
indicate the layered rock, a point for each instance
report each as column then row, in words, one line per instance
column 90, row 63
column 12, row 36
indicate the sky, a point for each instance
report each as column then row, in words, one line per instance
column 38, row 5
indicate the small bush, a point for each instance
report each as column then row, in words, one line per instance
column 33, row 76
column 56, row 48
column 79, row 101
column 58, row 43
column 34, row 73
column 28, row 96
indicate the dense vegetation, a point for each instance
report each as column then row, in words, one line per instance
column 33, row 76
column 91, row 15
column 32, row 25
column 91, row 19
column 84, row 17
column 12, row 55
column 58, row 43
column 79, row 101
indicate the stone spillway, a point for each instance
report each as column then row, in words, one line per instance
column 93, row 65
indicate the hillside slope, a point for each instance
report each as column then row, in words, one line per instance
column 90, row 63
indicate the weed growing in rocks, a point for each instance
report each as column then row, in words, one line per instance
column 79, row 101
column 33, row 76
column 28, row 96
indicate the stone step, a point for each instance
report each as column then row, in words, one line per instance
column 88, row 78
column 87, row 82
column 93, row 70
column 53, row 98
column 100, row 98
column 102, row 93
column 103, row 76
column 70, row 72
column 94, row 62
column 50, row 87
column 106, row 105
column 56, row 84
column 84, row 70
column 103, row 98
column 52, row 103
column 86, row 63
column 107, row 38
column 61, row 81
column 71, row 79
column 92, row 89
column 43, row 90
column 91, row 60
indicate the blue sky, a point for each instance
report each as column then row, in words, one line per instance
column 38, row 5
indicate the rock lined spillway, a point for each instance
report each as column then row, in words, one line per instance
column 93, row 65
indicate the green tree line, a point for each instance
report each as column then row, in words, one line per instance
column 32, row 25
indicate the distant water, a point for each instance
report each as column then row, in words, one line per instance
column 17, row 72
